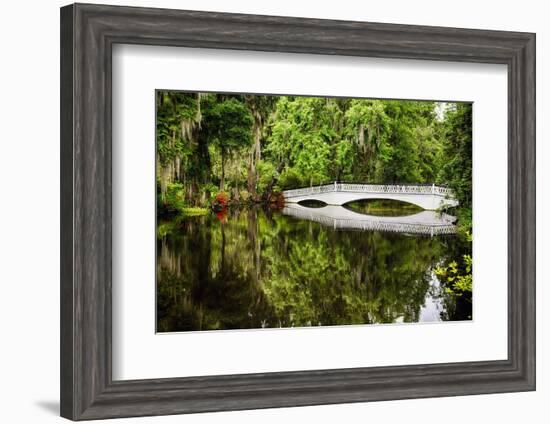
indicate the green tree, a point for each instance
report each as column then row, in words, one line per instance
column 302, row 136
column 457, row 171
column 178, row 116
column 260, row 109
column 369, row 124
column 227, row 125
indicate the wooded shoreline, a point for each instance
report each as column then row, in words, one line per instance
column 246, row 149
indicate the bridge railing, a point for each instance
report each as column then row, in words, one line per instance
column 371, row 188
column 327, row 188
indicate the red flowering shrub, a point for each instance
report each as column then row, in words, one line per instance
column 222, row 198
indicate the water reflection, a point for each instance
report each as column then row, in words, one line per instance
column 339, row 217
column 256, row 268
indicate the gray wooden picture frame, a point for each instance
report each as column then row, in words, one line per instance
column 88, row 33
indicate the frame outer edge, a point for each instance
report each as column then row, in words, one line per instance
column 522, row 213
column 528, row 90
column 67, row 383
column 87, row 33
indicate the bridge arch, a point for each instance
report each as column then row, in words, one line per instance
column 312, row 203
column 344, row 199
column 398, row 202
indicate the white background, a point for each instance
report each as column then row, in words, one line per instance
column 29, row 171
column 139, row 70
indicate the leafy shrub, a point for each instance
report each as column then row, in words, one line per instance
column 193, row 211
column 210, row 190
column 266, row 174
column 174, row 201
column 455, row 280
column 290, row 179
column 222, row 198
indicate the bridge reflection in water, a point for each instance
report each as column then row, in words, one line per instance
column 430, row 223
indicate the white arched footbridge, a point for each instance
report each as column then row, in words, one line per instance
column 428, row 197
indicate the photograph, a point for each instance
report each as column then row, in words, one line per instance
column 280, row 211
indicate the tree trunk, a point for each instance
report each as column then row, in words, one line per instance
column 254, row 157
column 222, row 181
column 273, row 181
column 164, row 181
column 361, row 137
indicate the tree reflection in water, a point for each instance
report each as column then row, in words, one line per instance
column 255, row 268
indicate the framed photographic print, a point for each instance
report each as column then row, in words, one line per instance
column 267, row 211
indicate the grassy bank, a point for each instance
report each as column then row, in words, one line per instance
column 193, row 211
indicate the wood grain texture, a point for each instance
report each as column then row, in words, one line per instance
column 88, row 33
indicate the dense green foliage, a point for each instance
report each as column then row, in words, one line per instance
column 457, row 168
column 251, row 146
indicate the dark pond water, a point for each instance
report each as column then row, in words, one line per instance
column 256, row 268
